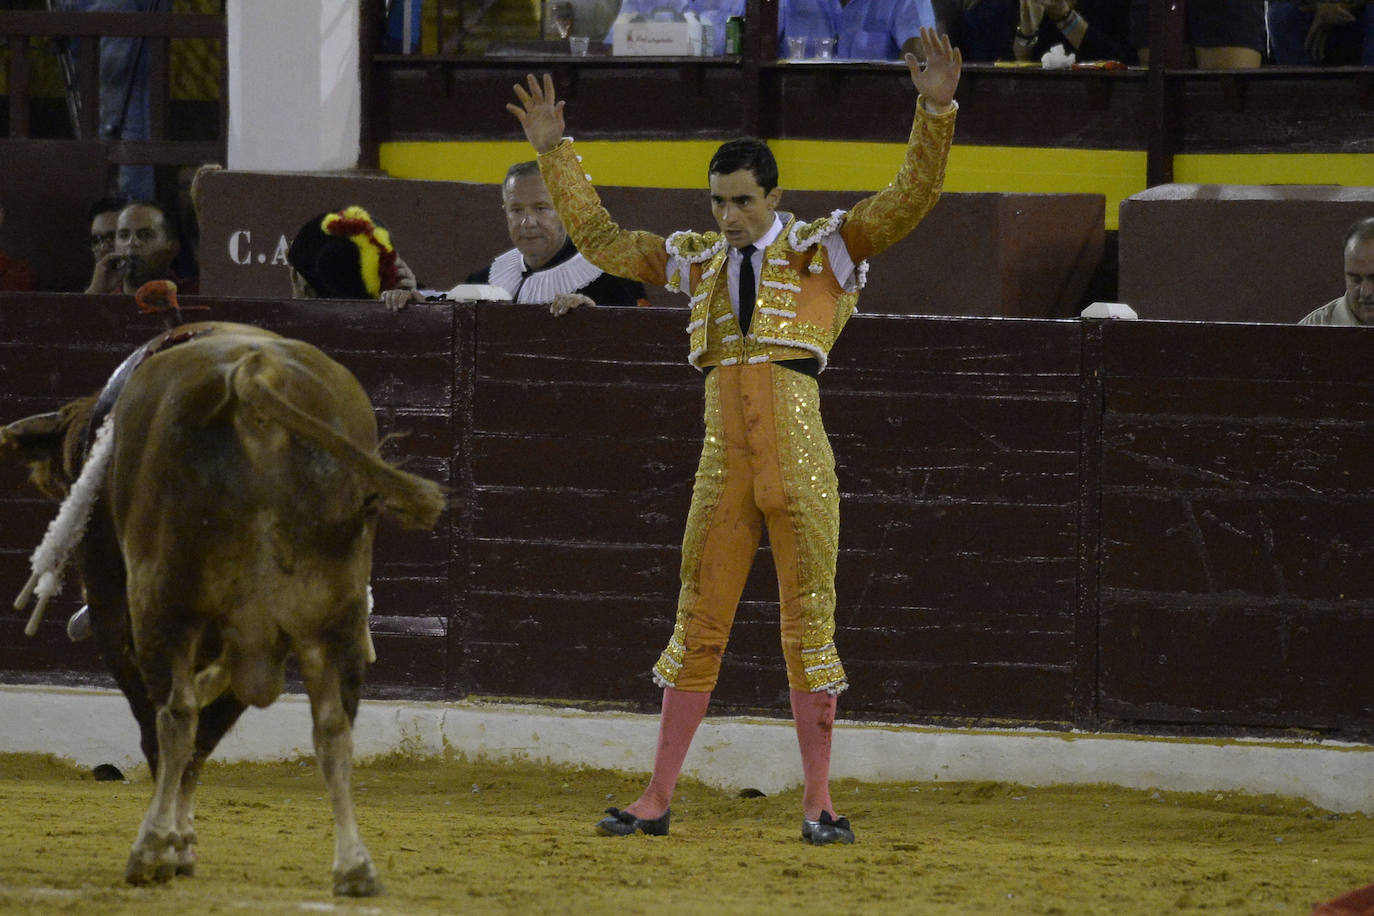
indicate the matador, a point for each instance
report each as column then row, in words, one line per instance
column 768, row 296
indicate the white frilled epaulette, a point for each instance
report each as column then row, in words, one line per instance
column 694, row 248
column 803, row 235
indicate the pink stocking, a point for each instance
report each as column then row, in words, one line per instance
column 682, row 713
column 814, row 716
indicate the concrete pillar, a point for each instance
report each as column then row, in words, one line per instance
column 295, row 102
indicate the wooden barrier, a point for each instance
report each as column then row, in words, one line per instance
column 1191, row 252
column 1235, row 506
column 1145, row 526
column 1022, row 255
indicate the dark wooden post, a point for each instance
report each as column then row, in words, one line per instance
column 370, row 18
column 1168, row 27
column 1086, row 612
column 760, row 44
column 19, row 86
column 159, row 80
column 88, row 81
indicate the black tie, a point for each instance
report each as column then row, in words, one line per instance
column 746, row 286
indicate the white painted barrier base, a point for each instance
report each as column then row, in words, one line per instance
column 95, row 726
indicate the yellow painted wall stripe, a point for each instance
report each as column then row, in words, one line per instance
column 1346, row 169
column 832, row 165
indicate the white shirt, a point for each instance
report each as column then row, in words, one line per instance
column 836, row 250
column 1334, row 312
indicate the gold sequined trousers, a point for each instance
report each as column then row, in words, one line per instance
column 765, row 460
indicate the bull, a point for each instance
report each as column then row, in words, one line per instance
column 231, row 519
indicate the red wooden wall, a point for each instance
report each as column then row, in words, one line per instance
column 1146, row 526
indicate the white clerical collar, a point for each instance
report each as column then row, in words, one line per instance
column 510, row 272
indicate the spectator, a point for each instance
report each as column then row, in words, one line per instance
column 1305, row 33
column 882, row 29
column 1222, row 34
column 124, row 97
column 950, row 16
column 1026, row 29
column 15, row 275
column 809, row 19
column 544, row 266
column 346, row 255
column 104, row 217
column 1356, row 307
column 146, row 244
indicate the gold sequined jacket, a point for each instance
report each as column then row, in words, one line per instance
column 802, row 306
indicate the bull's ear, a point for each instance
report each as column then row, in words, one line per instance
column 39, row 440
column 41, row 434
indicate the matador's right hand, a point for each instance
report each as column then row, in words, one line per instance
column 539, row 113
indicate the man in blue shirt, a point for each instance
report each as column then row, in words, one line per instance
column 866, row 29
column 809, row 19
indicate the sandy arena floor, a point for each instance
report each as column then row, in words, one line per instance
column 459, row 837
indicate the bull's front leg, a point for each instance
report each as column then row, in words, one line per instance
column 333, row 702
column 157, row 853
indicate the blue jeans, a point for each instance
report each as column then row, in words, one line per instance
column 124, row 112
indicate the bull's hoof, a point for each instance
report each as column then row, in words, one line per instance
column 146, row 867
column 186, row 856
column 154, row 858
column 359, row 881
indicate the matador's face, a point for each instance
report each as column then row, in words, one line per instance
column 742, row 208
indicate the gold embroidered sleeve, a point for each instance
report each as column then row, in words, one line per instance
column 637, row 255
column 883, row 219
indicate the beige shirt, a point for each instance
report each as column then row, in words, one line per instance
column 1334, row 312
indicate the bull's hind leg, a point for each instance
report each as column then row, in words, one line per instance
column 158, row 851
column 333, row 676
column 215, row 720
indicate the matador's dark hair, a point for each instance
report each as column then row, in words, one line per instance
column 746, row 153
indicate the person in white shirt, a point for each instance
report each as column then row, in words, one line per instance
column 1356, row 307
column 544, row 266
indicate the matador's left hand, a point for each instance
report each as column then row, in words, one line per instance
column 938, row 79
column 540, row 113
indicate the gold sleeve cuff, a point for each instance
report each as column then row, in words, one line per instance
column 879, row 221
column 638, row 255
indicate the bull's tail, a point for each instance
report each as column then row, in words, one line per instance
column 415, row 501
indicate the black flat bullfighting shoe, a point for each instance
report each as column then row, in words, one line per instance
column 623, row 823
column 827, row 830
